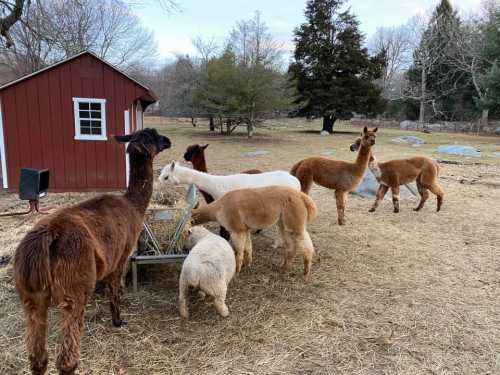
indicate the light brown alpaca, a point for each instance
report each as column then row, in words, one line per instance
column 339, row 175
column 62, row 257
column 394, row 173
column 241, row 210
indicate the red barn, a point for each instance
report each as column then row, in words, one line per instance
column 63, row 118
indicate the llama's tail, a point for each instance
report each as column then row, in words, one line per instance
column 310, row 206
column 438, row 168
column 32, row 260
column 295, row 167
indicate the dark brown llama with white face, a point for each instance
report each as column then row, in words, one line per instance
column 65, row 254
column 338, row 175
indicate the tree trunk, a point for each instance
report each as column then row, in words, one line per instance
column 193, row 121
column 423, row 83
column 250, row 129
column 212, row 124
column 484, row 116
column 328, row 122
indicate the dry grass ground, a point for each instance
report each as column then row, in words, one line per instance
column 409, row 293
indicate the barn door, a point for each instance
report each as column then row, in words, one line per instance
column 3, row 161
column 126, row 116
column 138, row 116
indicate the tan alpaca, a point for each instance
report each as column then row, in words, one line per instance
column 339, row 175
column 394, row 173
column 242, row 210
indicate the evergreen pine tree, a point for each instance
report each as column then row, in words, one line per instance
column 332, row 71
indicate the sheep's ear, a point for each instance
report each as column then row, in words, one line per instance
column 204, row 147
column 375, row 130
column 123, row 138
column 365, row 130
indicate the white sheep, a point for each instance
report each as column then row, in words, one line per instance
column 209, row 267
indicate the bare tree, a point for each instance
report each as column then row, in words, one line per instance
column 396, row 44
column 10, row 13
column 53, row 30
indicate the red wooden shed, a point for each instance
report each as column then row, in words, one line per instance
column 63, row 118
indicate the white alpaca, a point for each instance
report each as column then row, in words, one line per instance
column 209, row 267
column 217, row 186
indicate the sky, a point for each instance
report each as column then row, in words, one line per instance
column 215, row 18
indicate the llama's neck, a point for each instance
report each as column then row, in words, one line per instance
column 204, row 214
column 374, row 167
column 202, row 180
column 199, row 163
column 140, row 187
column 363, row 158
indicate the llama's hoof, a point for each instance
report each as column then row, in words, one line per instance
column 371, row 210
column 119, row 323
column 396, row 210
column 416, row 209
column 224, row 312
column 341, row 222
column 68, row 371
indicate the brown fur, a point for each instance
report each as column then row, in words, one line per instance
column 338, row 175
column 65, row 254
column 196, row 155
column 394, row 173
column 244, row 209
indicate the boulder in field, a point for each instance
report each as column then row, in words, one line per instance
column 459, row 150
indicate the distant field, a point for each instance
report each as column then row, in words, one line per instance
column 408, row 293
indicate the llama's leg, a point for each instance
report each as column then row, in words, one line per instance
column 340, row 198
column 382, row 190
column 278, row 242
column 35, row 311
column 183, row 296
column 72, row 309
column 239, row 241
column 248, row 250
column 220, row 299
column 306, row 180
column 438, row 191
column 224, row 233
column 424, row 195
column 289, row 250
column 113, row 286
column 308, row 253
column 395, row 198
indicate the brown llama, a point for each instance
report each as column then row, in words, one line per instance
column 196, row 155
column 338, row 175
column 65, row 254
column 257, row 208
column 394, row 173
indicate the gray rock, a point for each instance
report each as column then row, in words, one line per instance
column 369, row 186
column 497, row 131
column 254, row 153
column 497, row 154
column 459, row 150
column 409, row 125
column 410, row 139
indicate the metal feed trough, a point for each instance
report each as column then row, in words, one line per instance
column 151, row 252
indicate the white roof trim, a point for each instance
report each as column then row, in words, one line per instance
column 11, row 83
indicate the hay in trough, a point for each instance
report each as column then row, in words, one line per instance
column 165, row 211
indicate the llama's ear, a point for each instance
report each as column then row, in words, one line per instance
column 204, row 147
column 375, row 130
column 365, row 130
column 138, row 148
column 172, row 166
column 123, row 138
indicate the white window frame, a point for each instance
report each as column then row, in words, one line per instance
column 90, row 137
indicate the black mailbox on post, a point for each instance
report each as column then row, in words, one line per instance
column 33, row 183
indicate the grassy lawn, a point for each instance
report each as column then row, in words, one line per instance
column 408, row 293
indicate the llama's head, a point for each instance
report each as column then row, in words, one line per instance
column 194, row 150
column 367, row 137
column 168, row 173
column 195, row 234
column 356, row 145
column 145, row 142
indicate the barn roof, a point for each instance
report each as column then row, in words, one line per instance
column 150, row 98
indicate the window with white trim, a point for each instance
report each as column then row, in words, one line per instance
column 90, row 119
